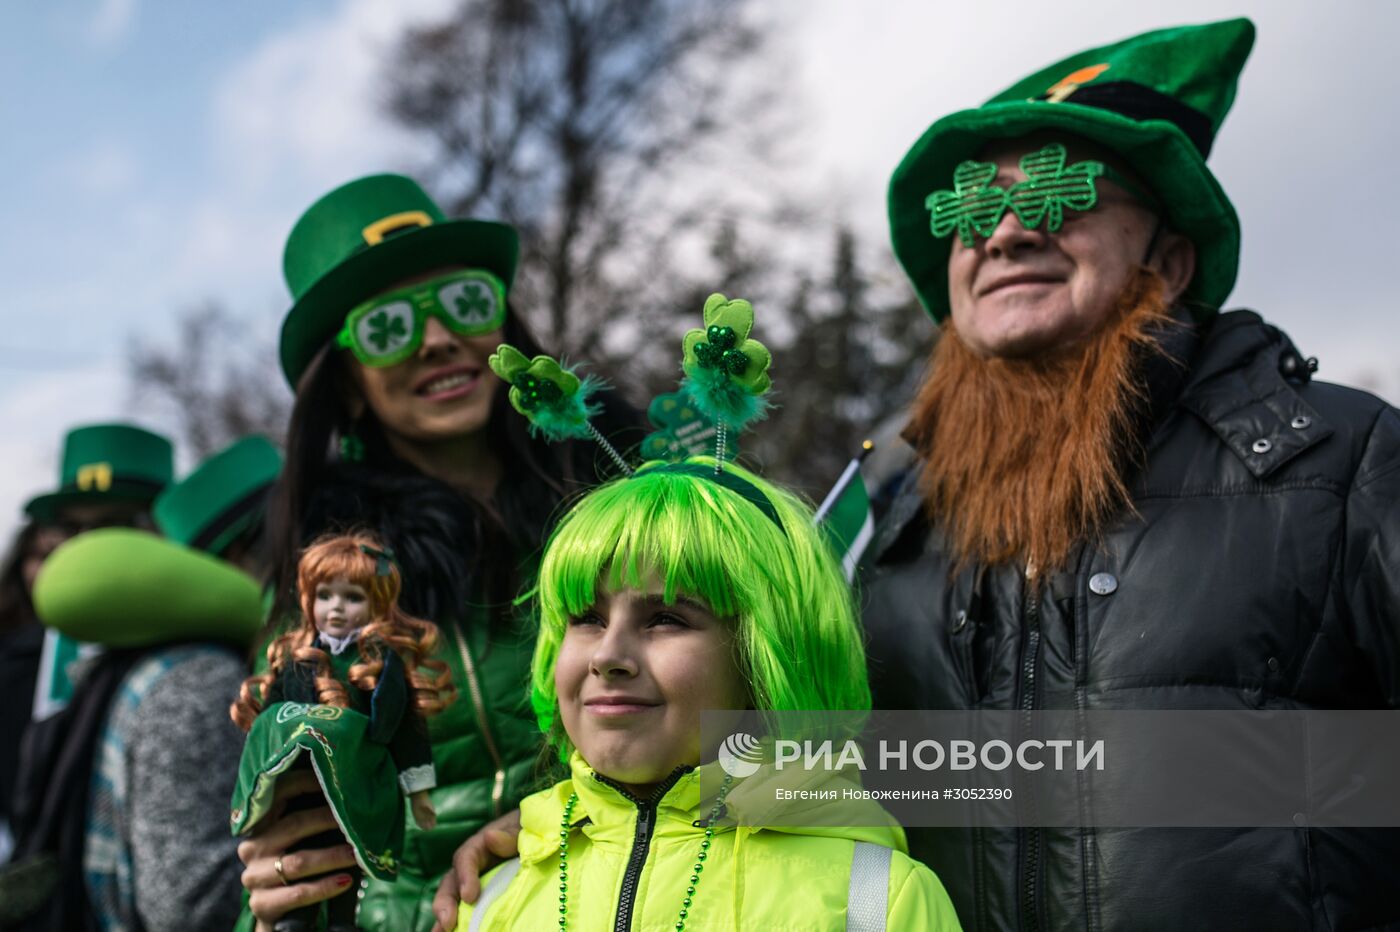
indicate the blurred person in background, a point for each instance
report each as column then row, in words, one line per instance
column 126, row 824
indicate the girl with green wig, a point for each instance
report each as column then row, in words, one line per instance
column 675, row 591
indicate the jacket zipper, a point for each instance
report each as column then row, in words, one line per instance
column 1030, row 864
column 641, row 843
column 474, row 687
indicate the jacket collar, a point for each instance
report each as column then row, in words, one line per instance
column 608, row 817
column 1167, row 370
column 606, row 813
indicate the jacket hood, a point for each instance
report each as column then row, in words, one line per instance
column 1232, row 340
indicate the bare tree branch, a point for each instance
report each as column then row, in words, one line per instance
column 217, row 383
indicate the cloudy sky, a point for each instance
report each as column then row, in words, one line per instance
column 155, row 155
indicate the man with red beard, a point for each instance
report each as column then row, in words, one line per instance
column 1126, row 499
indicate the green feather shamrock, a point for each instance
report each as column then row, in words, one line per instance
column 556, row 401
column 724, row 346
column 1050, row 187
column 973, row 207
column 382, row 327
column 726, row 372
column 552, row 397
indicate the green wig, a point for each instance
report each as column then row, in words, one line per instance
column 797, row 643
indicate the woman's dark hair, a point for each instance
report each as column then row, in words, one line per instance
column 452, row 548
column 16, row 607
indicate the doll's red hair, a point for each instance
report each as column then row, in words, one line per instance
column 353, row 557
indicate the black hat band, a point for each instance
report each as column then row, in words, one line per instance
column 244, row 511
column 1140, row 102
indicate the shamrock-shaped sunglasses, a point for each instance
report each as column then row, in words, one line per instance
column 388, row 328
column 975, row 206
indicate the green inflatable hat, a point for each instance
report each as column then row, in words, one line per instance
column 128, row 588
column 221, row 499
column 107, row 463
column 365, row 237
column 1157, row 100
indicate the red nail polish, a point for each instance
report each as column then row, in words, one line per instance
column 342, row 881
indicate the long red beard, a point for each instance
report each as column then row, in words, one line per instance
column 1025, row 458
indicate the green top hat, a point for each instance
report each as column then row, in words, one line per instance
column 364, row 237
column 1157, row 100
column 107, row 463
column 221, row 499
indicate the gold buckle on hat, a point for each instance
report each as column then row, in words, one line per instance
column 374, row 233
column 95, row 475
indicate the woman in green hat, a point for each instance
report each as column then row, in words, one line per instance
column 401, row 428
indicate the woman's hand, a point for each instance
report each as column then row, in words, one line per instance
column 271, row 896
column 496, row 842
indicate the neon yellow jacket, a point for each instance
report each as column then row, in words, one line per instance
column 623, row 856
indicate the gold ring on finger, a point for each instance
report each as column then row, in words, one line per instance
column 277, row 866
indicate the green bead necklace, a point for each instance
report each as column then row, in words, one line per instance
column 567, row 822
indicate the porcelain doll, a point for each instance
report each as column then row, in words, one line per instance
column 346, row 693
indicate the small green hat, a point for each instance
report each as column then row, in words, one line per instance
column 222, row 498
column 364, row 237
column 1157, row 100
column 107, row 463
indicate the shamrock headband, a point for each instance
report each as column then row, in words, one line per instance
column 731, row 481
column 975, row 206
column 726, row 376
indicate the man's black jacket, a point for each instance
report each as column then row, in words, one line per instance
column 1260, row 571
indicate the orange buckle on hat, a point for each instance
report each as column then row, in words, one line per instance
column 1071, row 82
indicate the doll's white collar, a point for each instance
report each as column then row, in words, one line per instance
column 337, row 645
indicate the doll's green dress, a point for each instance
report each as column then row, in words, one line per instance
column 366, row 758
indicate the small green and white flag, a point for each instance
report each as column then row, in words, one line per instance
column 844, row 515
column 57, row 659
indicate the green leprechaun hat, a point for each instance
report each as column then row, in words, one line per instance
column 364, row 237
column 222, row 498
column 1157, row 100
column 107, row 463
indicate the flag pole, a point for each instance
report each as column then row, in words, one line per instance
column 851, row 472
